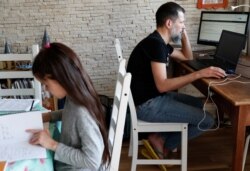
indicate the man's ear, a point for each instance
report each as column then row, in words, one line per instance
column 168, row 23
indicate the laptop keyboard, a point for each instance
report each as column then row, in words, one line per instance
column 207, row 62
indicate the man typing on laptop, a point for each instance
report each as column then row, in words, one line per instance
column 226, row 55
column 153, row 91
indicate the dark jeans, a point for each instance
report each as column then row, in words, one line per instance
column 176, row 107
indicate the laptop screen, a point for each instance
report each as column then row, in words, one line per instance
column 230, row 46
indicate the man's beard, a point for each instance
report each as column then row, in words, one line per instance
column 176, row 37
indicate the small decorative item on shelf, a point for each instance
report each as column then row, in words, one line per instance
column 46, row 40
column 7, row 47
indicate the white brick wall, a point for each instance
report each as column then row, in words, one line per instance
column 89, row 27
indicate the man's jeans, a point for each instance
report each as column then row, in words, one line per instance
column 176, row 107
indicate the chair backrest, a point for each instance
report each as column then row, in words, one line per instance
column 123, row 69
column 118, row 49
column 21, row 82
column 118, row 115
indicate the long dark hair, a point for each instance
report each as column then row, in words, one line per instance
column 60, row 63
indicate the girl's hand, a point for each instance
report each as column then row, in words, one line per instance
column 43, row 138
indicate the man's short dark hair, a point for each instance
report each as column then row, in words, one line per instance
column 166, row 11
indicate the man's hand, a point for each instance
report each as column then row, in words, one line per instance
column 213, row 72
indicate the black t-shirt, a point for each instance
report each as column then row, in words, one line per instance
column 152, row 48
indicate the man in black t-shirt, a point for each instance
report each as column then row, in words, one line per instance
column 152, row 90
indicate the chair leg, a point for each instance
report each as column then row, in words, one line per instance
column 184, row 142
column 130, row 150
column 135, row 150
column 245, row 152
column 134, row 146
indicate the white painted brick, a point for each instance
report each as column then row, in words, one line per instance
column 89, row 27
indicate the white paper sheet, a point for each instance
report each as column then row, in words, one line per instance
column 17, row 105
column 14, row 140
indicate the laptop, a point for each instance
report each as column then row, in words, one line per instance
column 226, row 55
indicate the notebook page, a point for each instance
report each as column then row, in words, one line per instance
column 14, row 140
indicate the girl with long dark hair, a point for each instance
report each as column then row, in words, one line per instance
column 83, row 143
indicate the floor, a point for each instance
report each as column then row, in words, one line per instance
column 212, row 151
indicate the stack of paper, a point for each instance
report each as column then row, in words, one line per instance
column 17, row 105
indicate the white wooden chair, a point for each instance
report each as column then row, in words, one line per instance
column 118, row 116
column 138, row 126
column 245, row 152
column 35, row 91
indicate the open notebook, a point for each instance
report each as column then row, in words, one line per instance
column 14, row 140
column 17, row 105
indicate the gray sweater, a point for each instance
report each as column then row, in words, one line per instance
column 81, row 144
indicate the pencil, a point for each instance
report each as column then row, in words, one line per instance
column 32, row 105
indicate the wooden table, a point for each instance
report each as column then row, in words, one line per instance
column 232, row 99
